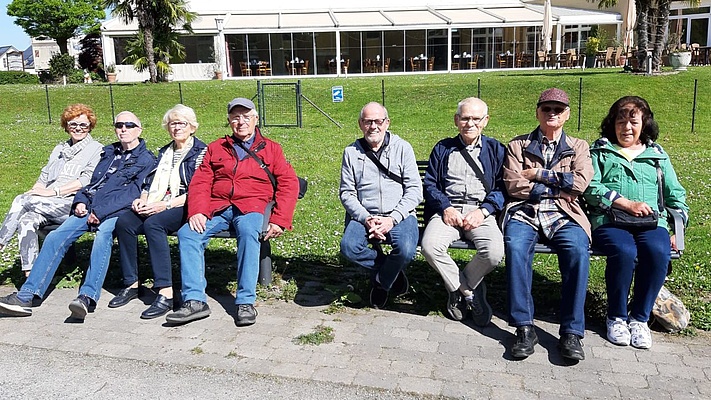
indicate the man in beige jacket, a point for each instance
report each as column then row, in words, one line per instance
column 545, row 171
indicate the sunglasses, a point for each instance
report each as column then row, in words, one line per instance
column 128, row 125
column 82, row 125
column 556, row 110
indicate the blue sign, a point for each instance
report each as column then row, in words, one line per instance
column 337, row 93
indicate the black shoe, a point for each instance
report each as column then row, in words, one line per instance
column 401, row 285
column 571, row 347
column 456, row 306
column 526, row 339
column 378, row 296
column 12, row 306
column 479, row 307
column 246, row 315
column 123, row 297
column 80, row 307
column 191, row 310
column 160, row 306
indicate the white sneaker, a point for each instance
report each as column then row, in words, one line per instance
column 641, row 336
column 618, row 332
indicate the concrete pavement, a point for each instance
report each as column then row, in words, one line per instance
column 379, row 351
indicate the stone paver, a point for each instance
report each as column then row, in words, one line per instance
column 379, row 349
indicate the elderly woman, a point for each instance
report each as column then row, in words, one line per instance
column 159, row 211
column 625, row 161
column 69, row 168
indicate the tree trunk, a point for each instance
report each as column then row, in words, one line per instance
column 62, row 43
column 661, row 18
column 150, row 54
column 642, row 33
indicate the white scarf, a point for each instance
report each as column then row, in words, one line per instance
column 167, row 177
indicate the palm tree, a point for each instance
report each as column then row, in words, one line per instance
column 155, row 18
column 652, row 27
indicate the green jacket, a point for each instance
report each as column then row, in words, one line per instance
column 635, row 180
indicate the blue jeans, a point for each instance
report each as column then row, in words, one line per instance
column 652, row 249
column 571, row 244
column 403, row 238
column 55, row 246
column 156, row 229
column 192, row 245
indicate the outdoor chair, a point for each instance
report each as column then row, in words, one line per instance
column 501, row 60
column 696, row 58
column 414, row 66
column 474, row 61
column 619, row 52
column 345, row 65
column 386, row 66
column 244, row 69
column 609, row 60
column 542, row 59
column 430, row 64
column 305, row 68
column 263, row 69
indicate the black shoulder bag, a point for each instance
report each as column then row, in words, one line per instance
column 371, row 155
column 623, row 219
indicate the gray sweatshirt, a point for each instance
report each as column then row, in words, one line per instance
column 365, row 190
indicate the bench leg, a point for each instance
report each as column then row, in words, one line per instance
column 265, row 263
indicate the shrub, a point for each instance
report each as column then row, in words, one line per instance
column 13, row 77
column 60, row 65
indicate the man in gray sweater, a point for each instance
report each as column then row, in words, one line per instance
column 380, row 188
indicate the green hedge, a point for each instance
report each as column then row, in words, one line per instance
column 12, row 77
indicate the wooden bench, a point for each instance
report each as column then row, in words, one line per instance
column 676, row 222
column 265, row 251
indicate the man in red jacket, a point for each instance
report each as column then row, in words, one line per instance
column 230, row 189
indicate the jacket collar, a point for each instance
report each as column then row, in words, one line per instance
column 534, row 146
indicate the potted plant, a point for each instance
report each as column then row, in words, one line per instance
column 592, row 46
column 679, row 57
column 111, row 73
column 217, row 67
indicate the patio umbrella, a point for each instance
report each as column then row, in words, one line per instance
column 547, row 31
column 628, row 22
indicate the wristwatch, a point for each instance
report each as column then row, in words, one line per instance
column 168, row 206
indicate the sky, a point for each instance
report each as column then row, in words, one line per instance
column 11, row 34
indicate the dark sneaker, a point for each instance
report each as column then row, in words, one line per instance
column 123, row 297
column 191, row 310
column 378, row 296
column 80, row 307
column 571, row 347
column 456, row 306
column 401, row 285
column 479, row 307
column 12, row 306
column 246, row 315
column 526, row 339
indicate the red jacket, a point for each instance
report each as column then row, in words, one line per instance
column 222, row 180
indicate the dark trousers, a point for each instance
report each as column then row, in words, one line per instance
column 156, row 229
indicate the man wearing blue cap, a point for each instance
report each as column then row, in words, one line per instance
column 231, row 189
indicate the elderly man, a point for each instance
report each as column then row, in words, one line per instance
column 545, row 172
column 380, row 188
column 238, row 177
column 463, row 192
column 116, row 181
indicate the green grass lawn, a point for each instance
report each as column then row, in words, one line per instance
column 421, row 109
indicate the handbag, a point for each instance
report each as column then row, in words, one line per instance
column 623, row 219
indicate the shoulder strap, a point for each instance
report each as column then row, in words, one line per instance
column 660, row 185
column 371, row 155
column 477, row 171
column 261, row 163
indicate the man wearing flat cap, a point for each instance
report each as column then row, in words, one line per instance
column 544, row 173
column 231, row 189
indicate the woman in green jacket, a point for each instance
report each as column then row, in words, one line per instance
column 625, row 162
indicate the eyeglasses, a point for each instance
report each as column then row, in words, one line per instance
column 82, row 125
column 128, row 125
column 476, row 121
column 556, row 110
column 368, row 122
column 245, row 117
column 178, row 124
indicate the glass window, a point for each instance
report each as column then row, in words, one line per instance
column 415, row 50
column 350, row 51
column 699, row 31
column 394, row 49
column 237, row 52
column 437, row 48
column 304, row 49
column 120, row 49
column 198, row 49
column 281, row 53
column 325, row 53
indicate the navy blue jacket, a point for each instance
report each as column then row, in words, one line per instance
column 187, row 166
column 122, row 187
column 491, row 157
